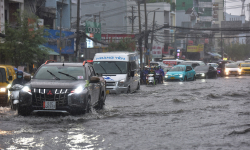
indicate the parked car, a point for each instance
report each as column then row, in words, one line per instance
column 232, row 69
column 205, row 72
column 64, row 88
column 245, row 68
column 180, row 73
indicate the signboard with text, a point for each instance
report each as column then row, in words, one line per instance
column 94, row 28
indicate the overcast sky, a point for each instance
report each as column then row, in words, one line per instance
column 234, row 7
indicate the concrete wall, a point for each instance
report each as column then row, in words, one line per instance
column 182, row 17
column 113, row 15
column 65, row 12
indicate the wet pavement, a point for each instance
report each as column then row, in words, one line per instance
column 201, row 114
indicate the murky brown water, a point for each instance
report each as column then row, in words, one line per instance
column 204, row 114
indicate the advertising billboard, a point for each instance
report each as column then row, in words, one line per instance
column 115, row 37
column 94, row 28
column 67, row 46
column 157, row 52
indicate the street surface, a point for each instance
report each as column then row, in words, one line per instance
column 202, row 114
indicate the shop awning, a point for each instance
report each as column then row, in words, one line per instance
column 51, row 51
column 214, row 54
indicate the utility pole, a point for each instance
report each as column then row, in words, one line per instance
column 77, row 30
column 146, row 29
column 132, row 19
column 221, row 45
column 152, row 34
column 140, row 39
column 60, row 41
column 99, row 17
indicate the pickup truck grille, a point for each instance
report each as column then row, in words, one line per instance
column 58, row 95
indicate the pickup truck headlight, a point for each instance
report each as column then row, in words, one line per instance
column 3, row 90
column 8, row 86
column 26, row 89
column 78, row 90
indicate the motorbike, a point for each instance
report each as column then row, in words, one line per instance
column 14, row 96
column 157, row 77
column 150, row 80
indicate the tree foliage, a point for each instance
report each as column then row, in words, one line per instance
column 237, row 51
column 23, row 41
column 126, row 44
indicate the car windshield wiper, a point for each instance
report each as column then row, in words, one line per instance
column 74, row 78
column 103, row 68
column 53, row 75
column 118, row 67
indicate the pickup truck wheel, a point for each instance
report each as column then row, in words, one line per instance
column 23, row 111
column 138, row 86
column 100, row 101
column 128, row 91
column 88, row 106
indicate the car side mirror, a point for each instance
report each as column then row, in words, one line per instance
column 27, row 78
column 132, row 73
column 10, row 78
column 94, row 79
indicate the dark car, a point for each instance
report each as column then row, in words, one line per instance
column 205, row 72
column 63, row 87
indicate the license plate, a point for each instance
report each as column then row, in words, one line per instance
column 107, row 91
column 172, row 78
column 49, row 105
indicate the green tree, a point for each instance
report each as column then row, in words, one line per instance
column 237, row 51
column 126, row 44
column 23, row 41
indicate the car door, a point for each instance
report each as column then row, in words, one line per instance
column 189, row 72
column 213, row 71
column 93, row 87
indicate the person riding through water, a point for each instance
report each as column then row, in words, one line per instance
column 19, row 80
column 152, row 71
column 144, row 74
column 158, row 71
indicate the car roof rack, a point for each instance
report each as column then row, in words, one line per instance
column 48, row 61
column 84, row 62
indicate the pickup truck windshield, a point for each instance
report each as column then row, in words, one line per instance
column 60, row 73
column 2, row 75
column 110, row 67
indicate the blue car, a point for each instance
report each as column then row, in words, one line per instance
column 180, row 73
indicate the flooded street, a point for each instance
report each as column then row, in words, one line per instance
column 201, row 114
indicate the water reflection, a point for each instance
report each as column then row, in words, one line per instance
column 6, row 132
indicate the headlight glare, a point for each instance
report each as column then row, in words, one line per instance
column 239, row 70
column 26, row 89
column 203, row 74
column 9, row 85
column 3, row 90
column 78, row 90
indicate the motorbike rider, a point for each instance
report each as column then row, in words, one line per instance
column 152, row 71
column 158, row 71
column 19, row 80
column 144, row 74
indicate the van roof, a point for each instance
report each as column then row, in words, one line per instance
column 116, row 52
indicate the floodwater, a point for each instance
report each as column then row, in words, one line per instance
column 203, row 114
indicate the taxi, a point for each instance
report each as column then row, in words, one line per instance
column 245, row 68
column 7, row 75
column 180, row 73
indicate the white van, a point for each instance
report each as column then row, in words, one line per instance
column 119, row 69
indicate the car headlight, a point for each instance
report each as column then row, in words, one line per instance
column 121, row 82
column 226, row 70
column 26, row 89
column 180, row 75
column 78, row 90
column 203, row 74
column 239, row 70
column 166, row 76
column 2, row 90
column 8, row 86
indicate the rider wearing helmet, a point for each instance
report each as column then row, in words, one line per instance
column 19, row 80
column 152, row 71
column 158, row 71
